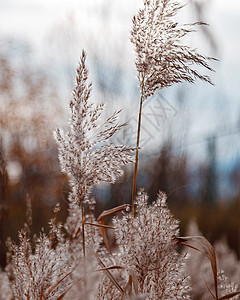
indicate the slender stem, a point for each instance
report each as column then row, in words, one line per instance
column 83, row 233
column 84, row 249
column 136, row 157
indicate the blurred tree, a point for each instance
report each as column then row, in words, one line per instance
column 169, row 174
column 209, row 189
column 3, row 206
column 29, row 111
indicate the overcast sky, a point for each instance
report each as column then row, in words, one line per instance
column 103, row 26
column 33, row 20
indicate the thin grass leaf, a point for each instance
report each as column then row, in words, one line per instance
column 205, row 248
column 64, row 294
column 56, row 284
column 104, row 214
column 111, row 211
column 110, row 276
column 132, row 282
column 111, row 268
column 77, row 233
column 104, row 235
column 99, row 225
column 210, row 292
column 132, row 279
column 190, row 246
column 128, row 288
column 229, row 296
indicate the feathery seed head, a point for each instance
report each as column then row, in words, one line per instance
column 85, row 153
column 147, row 246
column 161, row 57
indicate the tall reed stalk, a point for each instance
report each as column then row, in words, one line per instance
column 134, row 188
column 83, row 232
column 161, row 57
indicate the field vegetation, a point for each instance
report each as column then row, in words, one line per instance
column 132, row 249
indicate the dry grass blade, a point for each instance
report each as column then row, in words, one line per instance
column 93, row 224
column 104, row 214
column 128, row 288
column 63, row 295
column 202, row 245
column 77, row 233
column 99, row 225
column 190, row 246
column 132, row 282
column 56, row 284
column 132, row 279
column 210, row 292
column 104, row 235
column 229, row 296
column 111, row 268
column 111, row 211
column 110, row 276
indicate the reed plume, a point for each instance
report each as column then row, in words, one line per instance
column 85, row 153
column 162, row 58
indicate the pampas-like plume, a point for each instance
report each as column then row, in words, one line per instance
column 161, row 57
column 148, row 248
column 42, row 274
column 85, row 153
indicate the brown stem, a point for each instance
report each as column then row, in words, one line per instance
column 84, row 248
column 83, row 233
column 136, row 157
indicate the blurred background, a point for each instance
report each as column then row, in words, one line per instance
column 190, row 133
